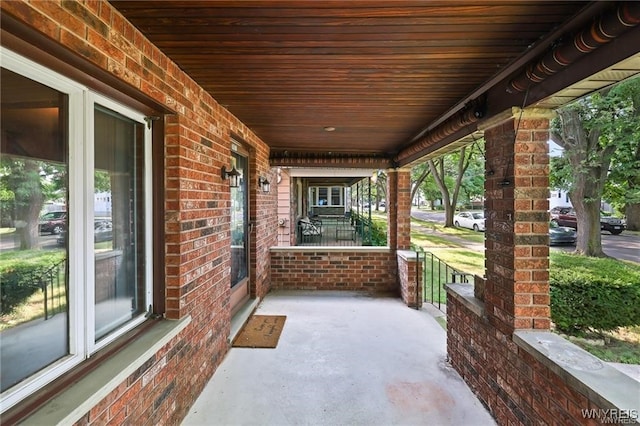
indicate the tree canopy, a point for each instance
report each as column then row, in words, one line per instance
column 596, row 133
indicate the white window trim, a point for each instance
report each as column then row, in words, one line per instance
column 80, row 240
column 93, row 100
column 329, row 196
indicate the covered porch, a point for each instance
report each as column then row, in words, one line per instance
column 352, row 85
column 342, row 358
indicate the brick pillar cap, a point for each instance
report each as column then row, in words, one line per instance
column 516, row 113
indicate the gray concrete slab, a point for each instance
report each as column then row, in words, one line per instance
column 342, row 359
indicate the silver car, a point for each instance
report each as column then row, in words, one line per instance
column 472, row 220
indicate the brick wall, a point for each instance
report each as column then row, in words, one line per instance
column 197, row 205
column 517, row 239
column 516, row 388
column 392, row 209
column 410, row 278
column 353, row 269
column 399, row 208
column 403, row 207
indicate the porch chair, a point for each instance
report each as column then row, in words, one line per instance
column 310, row 229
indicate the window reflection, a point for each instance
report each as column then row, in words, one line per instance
column 33, row 200
column 118, row 220
column 239, row 222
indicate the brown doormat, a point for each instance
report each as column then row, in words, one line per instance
column 261, row 331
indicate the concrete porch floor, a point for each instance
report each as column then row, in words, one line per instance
column 342, row 359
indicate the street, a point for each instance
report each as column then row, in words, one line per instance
column 10, row 241
column 625, row 246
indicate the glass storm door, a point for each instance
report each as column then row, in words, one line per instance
column 240, row 234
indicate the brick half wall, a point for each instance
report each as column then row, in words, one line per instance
column 369, row 269
column 533, row 377
column 410, row 278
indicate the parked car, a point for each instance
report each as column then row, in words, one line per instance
column 102, row 231
column 471, row 220
column 561, row 234
column 566, row 216
column 53, row 222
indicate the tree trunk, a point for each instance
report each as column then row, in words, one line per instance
column 450, row 200
column 28, row 207
column 416, row 185
column 632, row 212
column 438, row 175
column 581, row 148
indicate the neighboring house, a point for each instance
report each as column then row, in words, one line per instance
column 315, row 192
column 560, row 198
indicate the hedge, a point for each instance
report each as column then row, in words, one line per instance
column 18, row 277
column 597, row 294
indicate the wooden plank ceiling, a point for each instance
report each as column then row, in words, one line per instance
column 378, row 72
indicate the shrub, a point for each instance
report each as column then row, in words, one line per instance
column 378, row 234
column 19, row 277
column 598, row 294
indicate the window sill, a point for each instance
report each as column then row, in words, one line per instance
column 68, row 406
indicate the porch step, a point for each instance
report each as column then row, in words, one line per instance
column 241, row 317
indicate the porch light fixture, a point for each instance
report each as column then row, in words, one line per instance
column 233, row 175
column 264, row 184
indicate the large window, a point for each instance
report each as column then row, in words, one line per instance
column 326, row 196
column 75, row 264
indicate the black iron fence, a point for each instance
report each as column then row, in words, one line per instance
column 53, row 284
column 435, row 274
column 18, row 287
column 348, row 230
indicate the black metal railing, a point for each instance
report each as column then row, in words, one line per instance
column 350, row 230
column 53, row 284
column 435, row 274
column 19, row 286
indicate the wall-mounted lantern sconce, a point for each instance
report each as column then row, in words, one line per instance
column 233, row 175
column 264, row 184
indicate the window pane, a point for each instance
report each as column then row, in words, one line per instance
column 313, row 191
column 239, row 222
column 118, row 221
column 323, row 196
column 336, row 199
column 33, row 222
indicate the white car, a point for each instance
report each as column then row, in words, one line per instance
column 471, row 220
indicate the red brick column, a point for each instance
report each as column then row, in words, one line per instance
column 517, row 242
column 399, row 208
column 392, row 211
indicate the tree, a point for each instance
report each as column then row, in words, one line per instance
column 380, row 187
column 419, row 174
column 448, row 172
column 622, row 187
column 21, row 176
column 472, row 185
column 590, row 130
column 431, row 192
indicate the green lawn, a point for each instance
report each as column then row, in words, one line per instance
column 622, row 345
